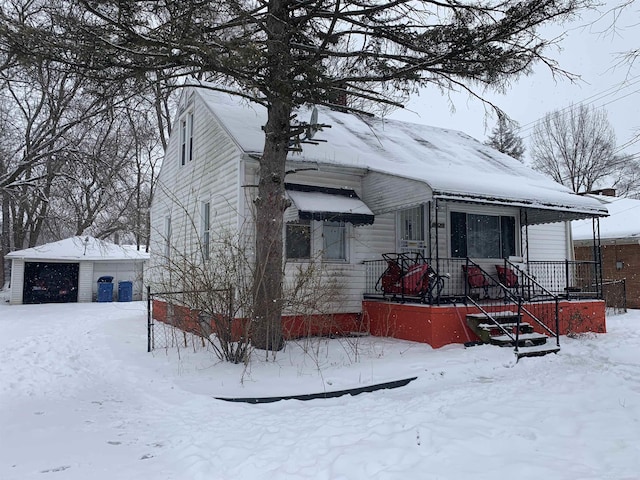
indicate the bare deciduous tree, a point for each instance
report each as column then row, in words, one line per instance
column 285, row 53
column 576, row 147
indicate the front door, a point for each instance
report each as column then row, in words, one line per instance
column 411, row 232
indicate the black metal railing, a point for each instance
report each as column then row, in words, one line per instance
column 406, row 276
column 568, row 279
column 538, row 280
column 509, row 293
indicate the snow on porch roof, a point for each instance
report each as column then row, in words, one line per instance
column 449, row 161
column 79, row 248
column 329, row 204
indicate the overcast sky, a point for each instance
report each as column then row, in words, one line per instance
column 590, row 49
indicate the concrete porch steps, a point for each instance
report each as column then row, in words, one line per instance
column 491, row 328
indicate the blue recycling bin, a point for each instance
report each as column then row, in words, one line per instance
column 125, row 291
column 105, row 289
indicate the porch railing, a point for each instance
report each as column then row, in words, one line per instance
column 518, row 292
column 568, row 279
column 565, row 279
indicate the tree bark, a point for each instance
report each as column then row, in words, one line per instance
column 5, row 246
column 270, row 206
column 266, row 331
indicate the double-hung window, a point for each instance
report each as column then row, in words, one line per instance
column 206, row 230
column 482, row 236
column 334, row 236
column 298, row 240
column 167, row 239
column 186, row 138
column 301, row 245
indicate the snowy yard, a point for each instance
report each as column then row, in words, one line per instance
column 81, row 399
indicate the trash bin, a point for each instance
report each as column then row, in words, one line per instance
column 105, row 289
column 125, row 291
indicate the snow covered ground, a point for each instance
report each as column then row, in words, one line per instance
column 81, row 399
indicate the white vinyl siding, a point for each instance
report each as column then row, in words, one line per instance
column 386, row 193
column 181, row 189
column 548, row 242
column 17, row 282
column 86, row 281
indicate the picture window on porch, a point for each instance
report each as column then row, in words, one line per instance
column 335, row 240
column 298, row 240
column 482, row 236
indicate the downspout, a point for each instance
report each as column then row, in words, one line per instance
column 429, row 220
column 598, row 254
column 571, row 254
column 526, row 235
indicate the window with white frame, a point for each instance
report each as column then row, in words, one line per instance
column 411, row 229
column 334, row 236
column 298, row 240
column 186, row 138
column 482, row 236
column 206, row 230
column 167, row 238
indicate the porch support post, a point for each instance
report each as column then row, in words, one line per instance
column 437, row 243
column 597, row 255
column 526, row 235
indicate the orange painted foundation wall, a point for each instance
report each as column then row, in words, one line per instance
column 292, row 326
column 435, row 325
column 442, row 325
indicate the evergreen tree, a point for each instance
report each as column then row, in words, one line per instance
column 283, row 54
column 505, row 139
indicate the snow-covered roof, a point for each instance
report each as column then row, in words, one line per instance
column 623, row 220
column 452, row 163
column 80, row 248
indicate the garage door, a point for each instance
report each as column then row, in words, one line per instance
column 46, row 282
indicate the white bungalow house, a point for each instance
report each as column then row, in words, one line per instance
column 367, row 187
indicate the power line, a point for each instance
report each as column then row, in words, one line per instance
column 614, row 89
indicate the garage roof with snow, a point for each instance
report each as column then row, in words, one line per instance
column 80, row 248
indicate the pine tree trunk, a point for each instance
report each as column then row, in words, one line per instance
column 5, row 244
column 266, row 329
column 266, row 332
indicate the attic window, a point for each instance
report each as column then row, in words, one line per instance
column 186, row 138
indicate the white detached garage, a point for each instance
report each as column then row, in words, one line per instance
column 68, row 271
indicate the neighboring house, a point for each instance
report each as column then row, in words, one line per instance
column 367, row 187
column 68, row 271
column 619, row 243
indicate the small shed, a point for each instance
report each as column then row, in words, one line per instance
column 69, row 270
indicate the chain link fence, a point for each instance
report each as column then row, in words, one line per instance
column 174, row 322
column 615, row 295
